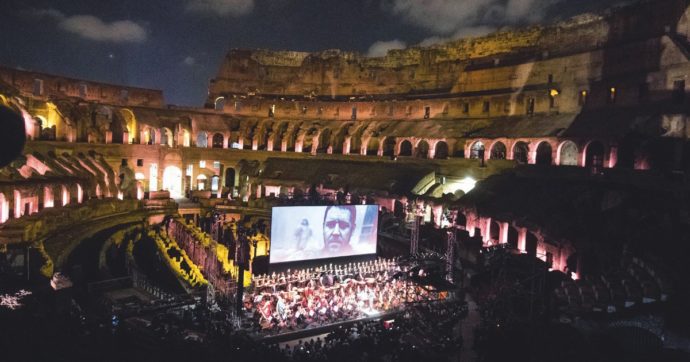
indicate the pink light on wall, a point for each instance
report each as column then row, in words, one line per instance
column 48, row 200
column 80, row 194
column 65, row 196
column 17, row 204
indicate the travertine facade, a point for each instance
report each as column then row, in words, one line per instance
column 597, row 91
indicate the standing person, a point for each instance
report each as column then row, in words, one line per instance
column 303, row 234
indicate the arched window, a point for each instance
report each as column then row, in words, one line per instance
column 498, row 151
column 544, row 154
column 422, row 149
column 405, row 148
column 595, row 155
column 477, row 150
column 202, row 140
column 520, row 152
column 219, row 104
column 441, row 150
column 218, row 140
column 568, row 154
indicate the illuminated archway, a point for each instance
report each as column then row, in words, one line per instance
column 201, row 182
column 423, row 149
column 4, row 208
column 543, row 154
column 405, row 148
column 520, row 152
column 477, row 150
column 568, row 154
column 172, row 181
column 441, row 150
column 498, row 151
column 202, row 139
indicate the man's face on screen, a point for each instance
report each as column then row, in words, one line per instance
column 337, row 229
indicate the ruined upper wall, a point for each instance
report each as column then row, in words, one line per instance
column 436, row 69
column 46, row 86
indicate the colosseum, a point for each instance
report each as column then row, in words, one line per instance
column 544, row 167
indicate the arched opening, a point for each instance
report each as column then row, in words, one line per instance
column 201, row 182
column 4, row 208
column 423, row 149
column 405, row 148
column 355, row 144
column 512, row 237
column 131, row 123
column 118, row 130
column 543, row 154
column 230, row 177
column 389, row 146
column 495, row 231
column 594, row 156
column 65, row 195
column 477, row 150
column 441, row 150
column 185, row 138
column 218, row 140
column 323, row 141
column 568, row 154
column 48, row 199
column 202, row 140
column 373, row 146
column 172, row 181
column 531, row 244
column 215, row 183
column 520, row 152
column 166, row 137
column 498, row 151
column 151, row 134
column 219, row 104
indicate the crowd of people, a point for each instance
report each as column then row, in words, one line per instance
column 332, row 293
column 427, row 331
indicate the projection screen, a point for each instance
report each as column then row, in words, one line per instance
column 318, row 232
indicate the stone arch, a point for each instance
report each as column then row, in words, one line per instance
column 186, row 138
column 118, row 127
column 131, row 123
column 498, row 151
column 276, row 135
column 495, row 231
column 167, row 138
column 202, row 139
column 306, row 137
column 544, row 154
column 356, row 140
column 48, row 196
column 373, row 146
column 441, row 150
column 172, row 181
column 150, row 136
column 64, row 195
column 219, row 104
column 389, row 146
column 521, row 152
column 202, row 182
column 405, row 148
column 531, row 242
column 477, row 150
column 217, row 140
column 594, row 154
column 4, row 208
column 422, row 150
column 512, row 237
column 567, row 153
column 290, row 136
column 324, row 137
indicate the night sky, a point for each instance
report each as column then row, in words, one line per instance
column 177, row 45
